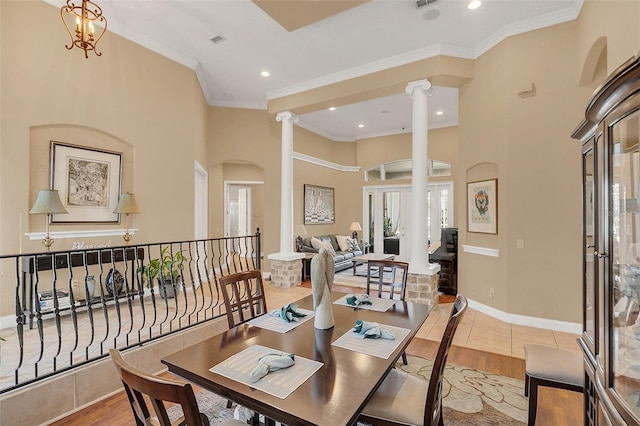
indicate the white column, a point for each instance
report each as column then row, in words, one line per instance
column 286, row 186
column 419, row 90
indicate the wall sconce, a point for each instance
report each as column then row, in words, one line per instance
column 127, row 205
column 300, row 231
column 83, row 17
column 48, row 202
column 355, row 227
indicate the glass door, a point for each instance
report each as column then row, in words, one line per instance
column 589, row 240
column 624, row 221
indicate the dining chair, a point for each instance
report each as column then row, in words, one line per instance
column 138, row 384
column 403, row 399
column 384, row 274
column 244, row 297
column 378, row 270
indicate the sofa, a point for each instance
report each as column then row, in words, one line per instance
column 343, row 248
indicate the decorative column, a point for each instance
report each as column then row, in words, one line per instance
column 422, row 282
column 286, row 266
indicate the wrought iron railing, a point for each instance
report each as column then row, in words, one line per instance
column 71, row 307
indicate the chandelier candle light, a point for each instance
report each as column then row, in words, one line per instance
column 83, row 17
column 48, row 202
column 127, row 205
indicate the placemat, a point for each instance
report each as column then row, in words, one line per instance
column 381, row 348
column 279, row 383
column 377, row 304
column 279, row 325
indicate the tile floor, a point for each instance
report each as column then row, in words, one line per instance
column 476, row 331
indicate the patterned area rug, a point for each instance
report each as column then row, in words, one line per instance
column 471, row 397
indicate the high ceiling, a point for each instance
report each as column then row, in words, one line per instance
column 369, row 36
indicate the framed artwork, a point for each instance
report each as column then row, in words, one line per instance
column 482, row 206
column 88, row 181
column 318, row 205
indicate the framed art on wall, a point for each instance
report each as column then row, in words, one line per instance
column 88, row 181
column 482, row 206
column 318, row 205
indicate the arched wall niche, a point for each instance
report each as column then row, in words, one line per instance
column 40, row 138
column 594, row 69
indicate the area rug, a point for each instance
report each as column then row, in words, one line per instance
column 346, row 277
column 470, row 397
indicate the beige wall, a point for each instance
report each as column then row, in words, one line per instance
column 154, row 109
column 129, row 99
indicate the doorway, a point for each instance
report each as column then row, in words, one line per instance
column 387, row 216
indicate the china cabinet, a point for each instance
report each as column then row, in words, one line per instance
column 610, row 136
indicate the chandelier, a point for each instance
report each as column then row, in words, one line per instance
column 83, row 36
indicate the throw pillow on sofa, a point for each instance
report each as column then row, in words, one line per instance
column 344, row 242
column 353, row 244
column 318, row 244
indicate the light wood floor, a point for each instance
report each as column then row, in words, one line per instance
column 555, row 407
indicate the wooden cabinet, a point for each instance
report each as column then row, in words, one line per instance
column 610, row 136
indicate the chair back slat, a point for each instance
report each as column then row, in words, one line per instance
column 158, row 390
column 433, row 407
column 396, row 281
column 244, row 297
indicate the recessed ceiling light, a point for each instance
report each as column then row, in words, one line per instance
column 384, row 111
column 439, row 112
column 474, row 4
column 360, row 125
column 227, row 94
column 332, row 108
column 217, row 39
column 265, row 73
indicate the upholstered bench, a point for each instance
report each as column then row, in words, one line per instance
column 550, row 367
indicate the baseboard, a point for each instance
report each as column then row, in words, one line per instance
column 544, row 323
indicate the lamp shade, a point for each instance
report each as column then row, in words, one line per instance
column 127, row 204
column 48, row 202
column 355, row 226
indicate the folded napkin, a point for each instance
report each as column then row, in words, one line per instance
column 268, row 363
column 288, row 313
column 372, row 330
column 358, row 299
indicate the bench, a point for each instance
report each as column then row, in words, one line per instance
column 550, row 367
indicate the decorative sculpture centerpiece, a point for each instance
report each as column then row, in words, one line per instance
column 323, row 269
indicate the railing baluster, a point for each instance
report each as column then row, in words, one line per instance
column 69, row 331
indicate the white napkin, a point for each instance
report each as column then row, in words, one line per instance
column 268, row 363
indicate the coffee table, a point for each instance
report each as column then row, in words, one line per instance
column 358, row 260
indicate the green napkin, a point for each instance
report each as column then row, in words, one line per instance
column 268, row 363
column 372, row 330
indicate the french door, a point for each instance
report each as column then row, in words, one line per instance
column 387, row 216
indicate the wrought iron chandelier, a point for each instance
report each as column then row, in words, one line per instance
column 83, row 17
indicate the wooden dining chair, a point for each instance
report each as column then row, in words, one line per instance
column 385, row 275
column 244, row 298
column 403, row 399
column 137, row 384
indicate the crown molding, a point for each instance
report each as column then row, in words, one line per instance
column 324, row 163
column 324, row 134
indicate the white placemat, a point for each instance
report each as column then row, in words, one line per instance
column 279, row 325
column 280, row 383
column 377, row 304
column 382, row 348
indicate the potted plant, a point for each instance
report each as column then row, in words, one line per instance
column 167, row 269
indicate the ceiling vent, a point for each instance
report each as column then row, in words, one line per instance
column 219, row 39
column 421, row 3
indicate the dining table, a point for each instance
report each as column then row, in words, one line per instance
column 336, row 392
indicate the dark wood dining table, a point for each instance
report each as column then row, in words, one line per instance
column 334, row 395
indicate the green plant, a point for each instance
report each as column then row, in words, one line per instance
column 386, row 226
column 164, row 268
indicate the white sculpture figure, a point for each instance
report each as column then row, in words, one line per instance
column 323, row 269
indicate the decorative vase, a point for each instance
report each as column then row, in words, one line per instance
column 114, row 282
column 166, row 287
column 323, row 269
column 91, row 287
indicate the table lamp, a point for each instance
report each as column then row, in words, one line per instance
column 127, row 205
column 355, row 227
column 48, row 202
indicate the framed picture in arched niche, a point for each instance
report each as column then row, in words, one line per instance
column 88, row 181
column 482, row 206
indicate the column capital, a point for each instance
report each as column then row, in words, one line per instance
column 288, row 116
column 424, row 85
